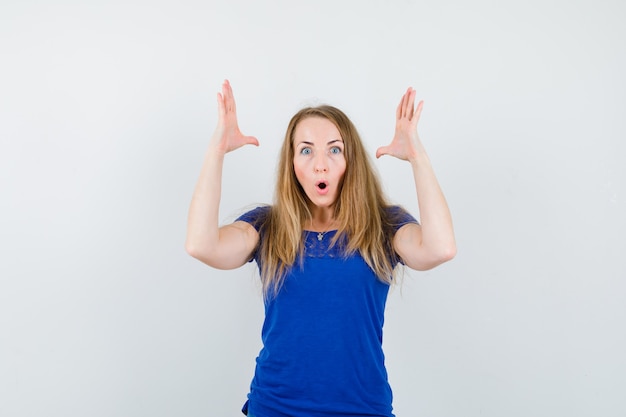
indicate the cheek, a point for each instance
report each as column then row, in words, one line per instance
column 299, row 171
column 341, row 168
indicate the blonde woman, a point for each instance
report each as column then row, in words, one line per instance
column 326, row 250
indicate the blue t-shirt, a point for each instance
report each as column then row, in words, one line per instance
column 322, row 350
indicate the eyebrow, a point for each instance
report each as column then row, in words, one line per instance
column 304, row 142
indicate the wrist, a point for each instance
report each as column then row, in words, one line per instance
column 419, row 159
column 217, row 146
column 216, row 150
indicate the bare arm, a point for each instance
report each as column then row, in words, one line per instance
column 229, row 246
column 432, row 242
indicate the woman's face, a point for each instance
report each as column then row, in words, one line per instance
column 318, row 160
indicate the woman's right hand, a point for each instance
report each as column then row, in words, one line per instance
column 227, row 136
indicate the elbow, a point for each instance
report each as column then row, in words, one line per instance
column 441, row 257
column 433, row 258
column 191, row 249
column 448, row 253
column 204, row 254
column 444, row 254
column 195, row 251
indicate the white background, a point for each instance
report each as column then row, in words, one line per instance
column 106, row 108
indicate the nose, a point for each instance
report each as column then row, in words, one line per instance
column 321, row 164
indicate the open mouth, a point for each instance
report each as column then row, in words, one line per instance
column 322, row 186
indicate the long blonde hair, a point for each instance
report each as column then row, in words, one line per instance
column 360, row 208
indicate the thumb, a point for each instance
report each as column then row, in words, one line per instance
column 383, row 150
column 251, row 140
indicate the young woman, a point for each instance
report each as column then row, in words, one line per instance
column 326, row 251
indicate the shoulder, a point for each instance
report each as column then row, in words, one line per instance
column 256, row 217
column 396, row 217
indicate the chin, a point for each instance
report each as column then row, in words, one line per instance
column 324, row 203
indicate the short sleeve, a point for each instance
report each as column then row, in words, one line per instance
column 398, row 217
column 255, row 217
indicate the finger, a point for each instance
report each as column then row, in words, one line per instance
column 224, row 97
column 227, row 92
column 220, row 106
column 411, row 104
column 383, row 150
column 251, row 140
column 408, row 109
column 404, row 102
column 418, row 112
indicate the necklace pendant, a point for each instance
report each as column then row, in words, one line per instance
column 320, row 236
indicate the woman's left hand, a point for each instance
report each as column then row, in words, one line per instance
column 405, row 144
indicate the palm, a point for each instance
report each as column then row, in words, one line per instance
column 227, row 133
column 405, row 142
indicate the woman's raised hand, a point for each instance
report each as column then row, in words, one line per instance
column 405, row 143
column 227, row 136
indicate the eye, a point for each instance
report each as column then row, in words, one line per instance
column 305, row 151
column 335, row 150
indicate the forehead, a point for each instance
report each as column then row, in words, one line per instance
column 314, row 128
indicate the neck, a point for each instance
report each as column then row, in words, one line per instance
column 322, row 219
